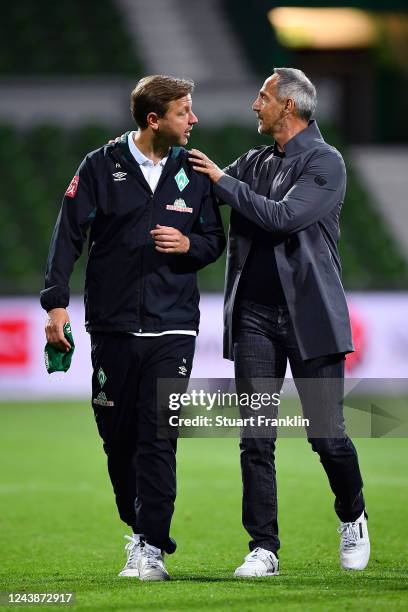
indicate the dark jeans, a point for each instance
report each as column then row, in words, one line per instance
column 141, row 464
column 264, row 339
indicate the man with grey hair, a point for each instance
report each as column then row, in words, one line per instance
column 284, row 301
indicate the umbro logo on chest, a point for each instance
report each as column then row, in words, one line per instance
column 119, row 176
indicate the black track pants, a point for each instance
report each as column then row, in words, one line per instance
column 142, row 466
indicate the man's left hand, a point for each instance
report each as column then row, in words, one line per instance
column 203, row 164
column 170, row 240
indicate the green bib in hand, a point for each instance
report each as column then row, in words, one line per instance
column 56, row 360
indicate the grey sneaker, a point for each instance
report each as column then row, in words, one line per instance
column 132, row 549
column 151, row 564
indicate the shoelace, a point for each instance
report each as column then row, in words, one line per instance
column 349, row 534
column 153, row 559
column 132, row 549
column 258, row 554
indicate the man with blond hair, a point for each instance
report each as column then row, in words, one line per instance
column 153, row 224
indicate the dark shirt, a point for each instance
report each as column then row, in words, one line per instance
column 260, row 281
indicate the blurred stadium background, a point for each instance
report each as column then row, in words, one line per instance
column 66, row 71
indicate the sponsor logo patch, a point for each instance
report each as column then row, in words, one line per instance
column 72, row 187
column 101, row 400
column 179, row 206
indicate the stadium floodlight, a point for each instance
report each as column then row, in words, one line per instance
column 324, row 28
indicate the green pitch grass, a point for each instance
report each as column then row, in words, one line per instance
column 60, row 531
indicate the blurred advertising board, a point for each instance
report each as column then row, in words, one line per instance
column 379, row 323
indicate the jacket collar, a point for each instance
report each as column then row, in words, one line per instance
column 306, row 139
column 123, row 147
column 122, row 153
column 139, row 156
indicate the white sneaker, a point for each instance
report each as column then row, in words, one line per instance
column 259, row 562
column 132, row 548
column 151, row 565
column 354, row 544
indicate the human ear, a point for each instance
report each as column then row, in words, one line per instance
column 152, row 121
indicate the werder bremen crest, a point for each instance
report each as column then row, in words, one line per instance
column 101, row 377
column 181, row 179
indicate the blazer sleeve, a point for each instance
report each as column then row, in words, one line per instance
column 318, row 189
column 69, row 235
column 232, row 169
column 207, row 239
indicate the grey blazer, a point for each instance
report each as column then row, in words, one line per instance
column 301, row 206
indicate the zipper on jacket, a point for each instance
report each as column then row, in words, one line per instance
column 138, row 174
column 128, row 163
column 142, row 283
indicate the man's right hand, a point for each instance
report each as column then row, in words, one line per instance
column 54, row 329
column 117, row 139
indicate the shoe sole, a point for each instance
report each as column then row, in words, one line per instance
column 252, row 576
column 361, row 566
column 156, row 578
column 132, row 574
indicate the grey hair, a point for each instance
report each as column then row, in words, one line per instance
column 294, row 84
